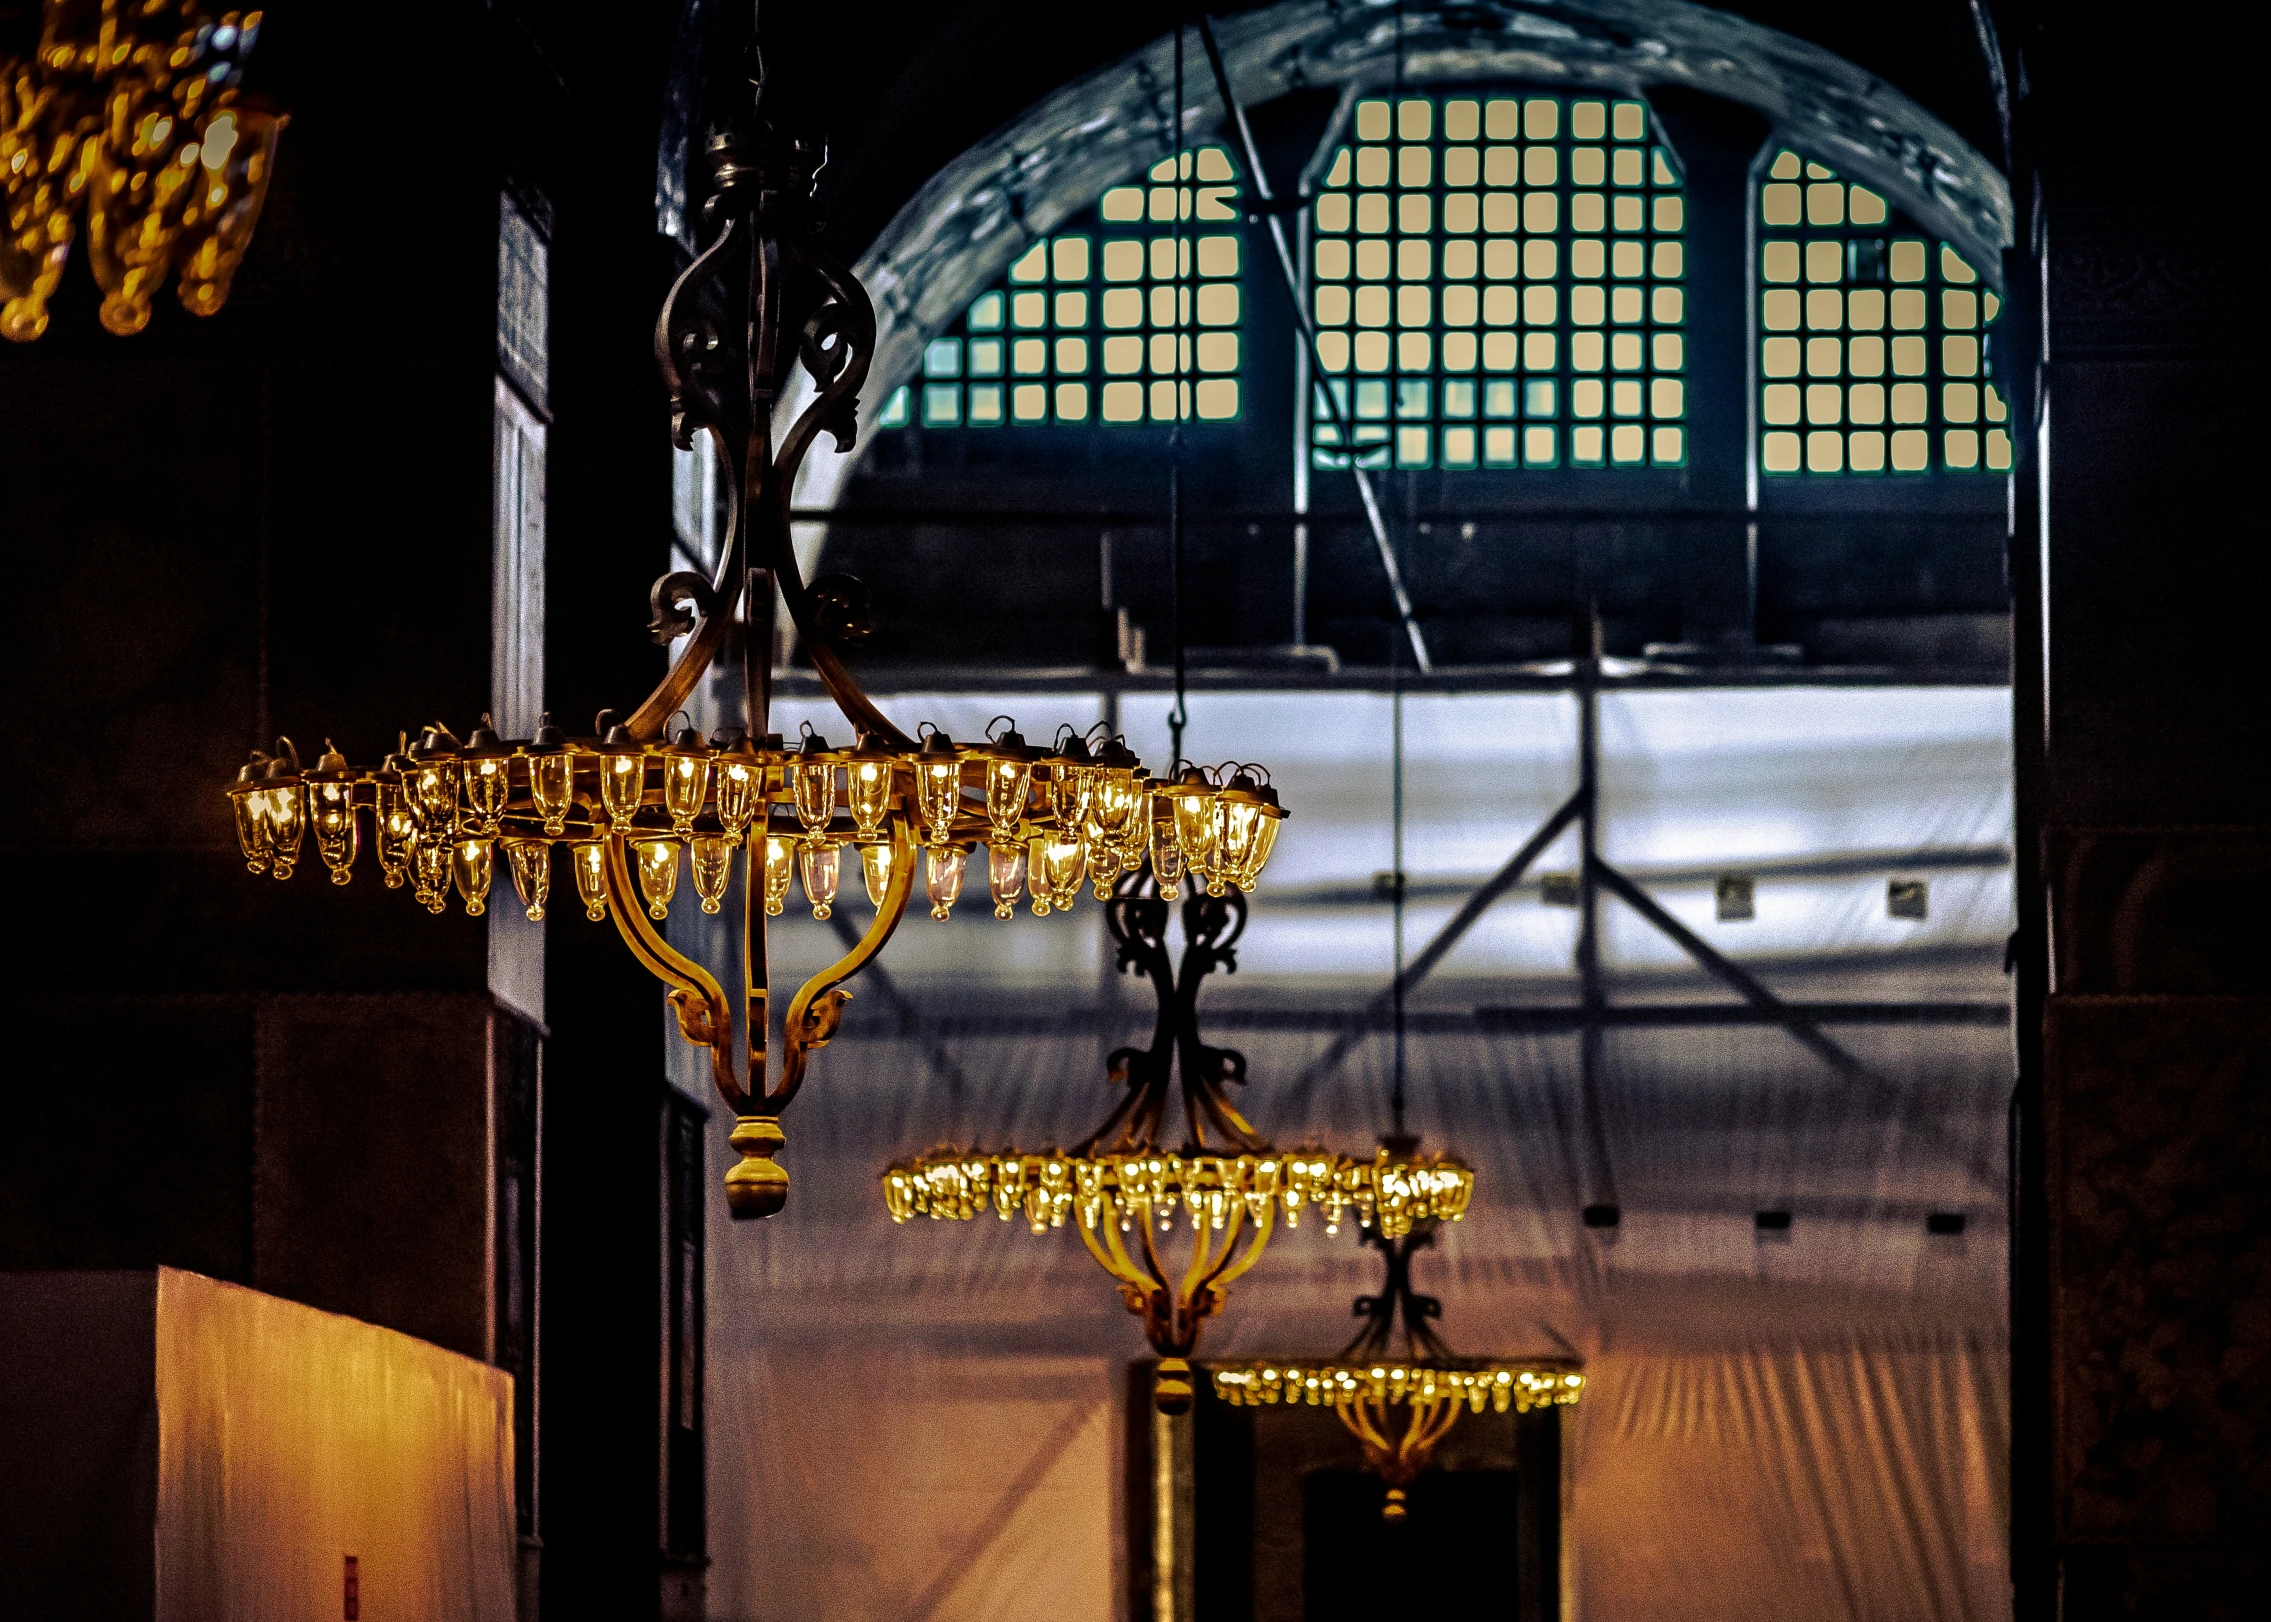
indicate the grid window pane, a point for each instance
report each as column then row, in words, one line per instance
column 1849, row 297
column 1508, row 257
column 1098, row 322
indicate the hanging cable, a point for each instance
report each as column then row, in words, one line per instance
column 1179, row 717
column 1396, row 701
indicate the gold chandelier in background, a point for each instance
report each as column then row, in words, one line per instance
column 1126, row 1192
column 129, row 113
column 1397, row 1388
column 634, row 804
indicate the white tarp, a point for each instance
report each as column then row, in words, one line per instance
column 925, row 1422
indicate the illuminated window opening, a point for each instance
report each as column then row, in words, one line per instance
column 1104, row 322
column 1498, row 282
column 1873, row 354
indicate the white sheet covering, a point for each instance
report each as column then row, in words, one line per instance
column 289, row 1439
column 924, row 1423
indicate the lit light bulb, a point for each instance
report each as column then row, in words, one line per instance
column 943, row 867
column 780, row 863
column 622, row 785
column 286, row 814
column 551, row 776
column 531, row 862
column 472, row 863
column 814, row 778
column 253, row 834
column 821, row 862
column 1009, row 781
column 712, row 860
column 487, row 769
column 938, row 785
column 1005, row 876
column 867, row 785
column 658, row 874
column 331, row 811
column 1062, row 866
column 395, row 828
column 875, row 868
column 741, row 787
column 590, row 859
column 685, row 781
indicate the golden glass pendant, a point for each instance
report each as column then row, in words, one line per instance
column 875, row 869
column 531, row 862
column 589, row 858
column 711, row 858
column 821, row 861
column 472, row 864
column 1005, row 877
column 551, row 777
column 868, row 772
column 658, row 874
column 685, row 781
column 943, row 867
column 780, row 866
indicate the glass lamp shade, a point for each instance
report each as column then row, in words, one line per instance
column 253, row 835
column 395, row 831
column 712, row 861
column 1193, row 803
column 622, row 785
column 943, row 867
column 590, row 859
column 1007, row 784
column 938, row 788
column 472, row 863
column 685, row 781
column 433, row 795
column 487, row 780
column 1057, row 875
column 531, row 861
column 822, row 863
column 286, row 814
column 741, row 790
column 875, row 868
column 431, row 869
column 336, row 836
column 867, row 785
column 1101, row 859
column 1167, row 859
column 658, row 874
column 1265, row 837
column 815, row 787
column 1005, row 876
column 552, row 786
column 780, row 865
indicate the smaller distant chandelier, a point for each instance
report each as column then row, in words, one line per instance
column 1397, row 1387
column 129, row 114
column 1122, row 1189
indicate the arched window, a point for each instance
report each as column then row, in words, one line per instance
column 1085, row 327
column 1872, row 353
column 1496, row 282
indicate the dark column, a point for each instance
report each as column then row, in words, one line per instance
column 2143, row 1480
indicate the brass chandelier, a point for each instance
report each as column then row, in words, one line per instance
column 1396, row 1386
column 632, row 801
column 1125, row 1190
column 129, row 114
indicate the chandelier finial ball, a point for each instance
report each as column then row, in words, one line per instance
column 757, row 1186
column 1171, row 1389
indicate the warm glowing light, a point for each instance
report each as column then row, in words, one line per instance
column 1477, row 1383
column 875, row 869
column 591, row 877
column 1005, row 877
column 658, row 874
column 472, row 864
